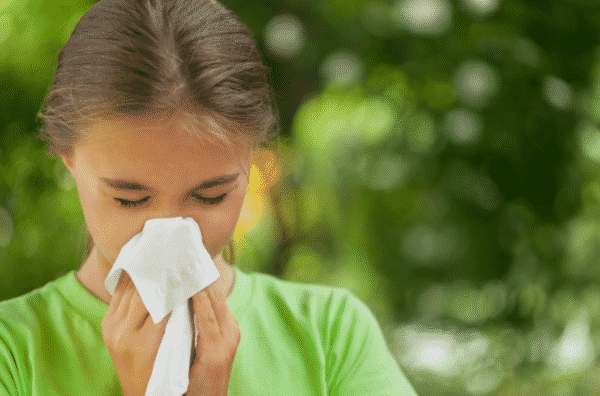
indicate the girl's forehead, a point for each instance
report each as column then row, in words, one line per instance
column 127, row 136
column 121, row 144
column 200, row 131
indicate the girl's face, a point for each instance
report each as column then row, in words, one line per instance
column 156, row 173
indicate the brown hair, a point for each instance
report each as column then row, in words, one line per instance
column 160, row 57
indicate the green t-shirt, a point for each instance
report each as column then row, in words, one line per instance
column 297, row 339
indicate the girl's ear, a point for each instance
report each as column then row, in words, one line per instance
column 68, row 161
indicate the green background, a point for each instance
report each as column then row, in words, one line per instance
column 442, row 163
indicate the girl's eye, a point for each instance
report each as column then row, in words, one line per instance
column 205, row 200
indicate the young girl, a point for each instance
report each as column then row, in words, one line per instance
column 156, row 108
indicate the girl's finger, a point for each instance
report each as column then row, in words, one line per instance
column 206, row 320
column 119, row 290
column 157, row 329
column 137, row 310
column 233, row 328
column 125, row 302
column 220, row 308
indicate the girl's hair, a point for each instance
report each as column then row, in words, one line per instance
column 160, row 60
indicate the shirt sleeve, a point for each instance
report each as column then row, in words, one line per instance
column 359, row 361
column 8, row 385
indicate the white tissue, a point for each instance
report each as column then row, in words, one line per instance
column 168, row 264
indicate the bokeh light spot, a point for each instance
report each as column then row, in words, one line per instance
column 480, row 7
column 557, row 92
column 426, row 17
column 375, row 118
column 284, row 35
column 574, row 351
column 388, row 172
column 342, row 68
column 476, row 83
column 589, row 141
column 463, row 126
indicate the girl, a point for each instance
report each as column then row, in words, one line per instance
column 156, row 109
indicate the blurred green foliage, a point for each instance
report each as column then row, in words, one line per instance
column 442, row 163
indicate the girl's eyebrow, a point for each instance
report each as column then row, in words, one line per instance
column 130, row 185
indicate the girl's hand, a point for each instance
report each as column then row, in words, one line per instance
column 218, row 338
column 131, row 337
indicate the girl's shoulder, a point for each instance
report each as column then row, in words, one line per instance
column 304, row 301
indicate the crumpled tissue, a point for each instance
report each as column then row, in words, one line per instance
column 168, row 264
